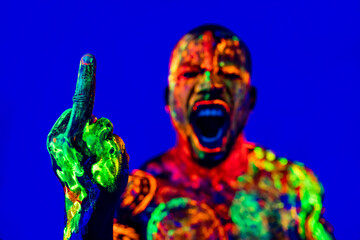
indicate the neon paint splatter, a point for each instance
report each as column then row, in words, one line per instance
column 212, row 185
column 88, row 159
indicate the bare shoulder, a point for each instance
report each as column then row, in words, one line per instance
column 139, row 192
column 292, row 180
column 294, row 174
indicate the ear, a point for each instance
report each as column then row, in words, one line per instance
column 252, row 97
column 166, row 98
column 166, row 95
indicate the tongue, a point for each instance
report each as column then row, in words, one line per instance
column 209, row 126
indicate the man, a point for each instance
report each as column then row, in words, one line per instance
column 211, row 185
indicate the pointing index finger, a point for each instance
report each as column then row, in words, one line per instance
column 84, row 97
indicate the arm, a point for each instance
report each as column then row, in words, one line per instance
column 90, row 162
column 311, row 223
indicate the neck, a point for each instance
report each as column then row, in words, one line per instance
column 234, row 164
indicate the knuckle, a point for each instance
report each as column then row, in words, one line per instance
column 109, row 163
column 120, row 143
column 59, row 127
column 94, row 134
column 105, row 123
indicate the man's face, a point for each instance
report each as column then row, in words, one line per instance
column 208, row 94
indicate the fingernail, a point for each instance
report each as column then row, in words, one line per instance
column 88, row 59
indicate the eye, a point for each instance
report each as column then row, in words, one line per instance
column 190, row 74
column 231, row 76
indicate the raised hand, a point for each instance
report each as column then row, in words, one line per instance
column 89, row 160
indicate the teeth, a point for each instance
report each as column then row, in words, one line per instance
column 210, row 112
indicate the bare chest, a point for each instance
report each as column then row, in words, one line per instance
column 210, row 209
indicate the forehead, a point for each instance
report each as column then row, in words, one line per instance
column 207, row 49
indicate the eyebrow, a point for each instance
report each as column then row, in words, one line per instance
column 231, row 69
column 188, row 65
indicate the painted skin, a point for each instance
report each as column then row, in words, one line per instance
column 212, row 184
column 251, row 195
column 89, row 160
column 208, row 71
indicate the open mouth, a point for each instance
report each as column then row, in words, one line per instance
column 210, row 121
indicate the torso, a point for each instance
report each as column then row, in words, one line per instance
column 254, row 195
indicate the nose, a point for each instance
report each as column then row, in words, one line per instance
column 211, row 83
column 216, row 79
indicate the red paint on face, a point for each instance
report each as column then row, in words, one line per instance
column 208, row 71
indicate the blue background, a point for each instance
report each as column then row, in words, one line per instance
column 305, row 67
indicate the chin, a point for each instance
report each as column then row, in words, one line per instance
column 208, row 157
